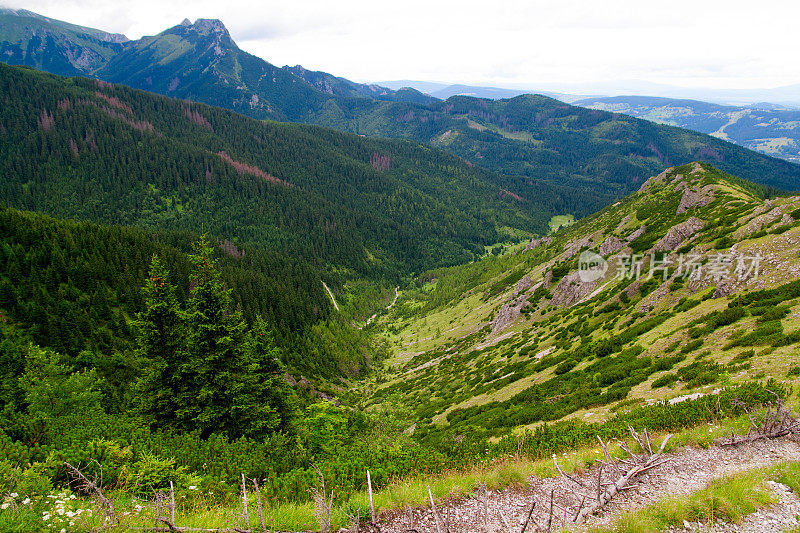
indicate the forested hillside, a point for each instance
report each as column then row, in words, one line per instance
column 538, row 138
column 89, row 150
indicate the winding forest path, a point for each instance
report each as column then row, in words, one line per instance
column 335, row 305
column 691, row 469
column 396, row 295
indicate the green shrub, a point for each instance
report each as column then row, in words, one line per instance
column 665, row 380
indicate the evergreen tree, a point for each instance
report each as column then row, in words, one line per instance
column 161, row 343
column 226, row 371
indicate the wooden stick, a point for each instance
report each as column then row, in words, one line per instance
column 567, row 476
column 244, row 499
column 599, row 473
column 435, row 513
column 580, row 506
column 371, row 502
column 505, row 522
column 171, row 503
column 550, row 516
column 530, row 513
column 260, row 508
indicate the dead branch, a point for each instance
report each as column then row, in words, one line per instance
column 93, row 487
column 778, row 421
column 642, row 463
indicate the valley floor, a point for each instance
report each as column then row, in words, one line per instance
column 691, row 469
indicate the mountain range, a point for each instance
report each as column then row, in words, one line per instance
column 534, row 137
column 767, row 128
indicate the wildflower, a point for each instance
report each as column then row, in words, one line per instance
column 192, row 487
column 4, row 506
column 26, row 501
column 13, row 494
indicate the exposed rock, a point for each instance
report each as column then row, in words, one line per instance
column 636, row 234
column 304, row 382
column 622, row 223
column 695, row 198
column 654, row 180
column 509, row 313
column 535, row 243
column 571, row 290
column 611, row 245
column 758, row 222
column 523, row 285
column 787, row 219
column 289, row 379
column 678, row 233
column 633, row 289
column 573, row 247
column 548, row 279
column 723, row 289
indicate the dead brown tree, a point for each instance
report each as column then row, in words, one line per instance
column 94, row 488
column 626, row 470
column 778, row 421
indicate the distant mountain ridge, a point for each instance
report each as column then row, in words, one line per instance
column 595, row 157
column 768, row 128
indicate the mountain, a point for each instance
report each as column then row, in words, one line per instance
column 686, row 286
column 767, row 128
column 333, row 85
column 532, row 137
column 87, row 149
column 55, row 46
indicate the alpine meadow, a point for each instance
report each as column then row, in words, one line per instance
column 237, row 297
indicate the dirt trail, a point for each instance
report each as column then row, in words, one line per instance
column 335, row 305
column 396, row 296
column 691, row 469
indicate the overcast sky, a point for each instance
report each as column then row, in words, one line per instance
column 522, row 43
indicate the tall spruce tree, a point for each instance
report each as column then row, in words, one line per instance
column 225, row 370
column 204, row 369
column 161, row 345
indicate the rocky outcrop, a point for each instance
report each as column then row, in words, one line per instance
column 678, row 233
column 636, row 234
column 695, row 198
column 623, row 223
column 758, row 222
column 548, row 279
column 523, row 285
column 655, row 179
column 509, row 313
column 611, row 245
column 573, row 247
column 535, row 243
column 571, row 290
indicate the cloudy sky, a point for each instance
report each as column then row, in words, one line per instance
column 513, row 43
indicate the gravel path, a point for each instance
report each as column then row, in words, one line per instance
column 690, row 469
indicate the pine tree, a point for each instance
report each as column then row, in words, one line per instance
column 161, row 343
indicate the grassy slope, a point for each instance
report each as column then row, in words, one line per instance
column 439, row 331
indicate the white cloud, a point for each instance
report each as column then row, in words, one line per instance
column 714, row 43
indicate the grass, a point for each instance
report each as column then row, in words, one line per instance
column 559, row 221
column 727, row 499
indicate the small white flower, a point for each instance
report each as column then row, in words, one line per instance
column 26, row 501
column 192, row 487
column 63, row 530
column 4, row 506
column 71, row 496
column 13, row 494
